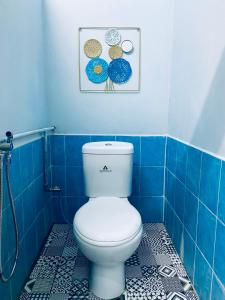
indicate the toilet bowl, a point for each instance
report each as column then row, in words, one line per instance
column 108, row 230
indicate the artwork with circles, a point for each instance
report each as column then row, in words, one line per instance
column 109, row 59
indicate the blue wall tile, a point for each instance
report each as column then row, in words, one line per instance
column 72, row 204
column 210, row 175
column 218, row 291
column 152, row 181
column 38, row 157
column 170, row 190
column 190, row 213
column 73, row 148
column 102, row 138
column 198, row 174
column 59, row 178
column 169, row 218
column 15, row 173
column 171, row 155
column 136, row 181
column 219, row 263
column 136, row 141
column 152, row 151
column 202, row 277
column 5, row 289
column 30, row 201
column 177, row 234
column 193, row 170
column 26, row 164
column 74, row 181
column 189, row 254
column 179, row 195
column 19, row 214
column 21, row 272
column 181, row 161
column 206, row 232
column 150, row 208
column 57, row 150
column 221, row 208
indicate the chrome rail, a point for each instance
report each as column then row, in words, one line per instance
column 27, row 133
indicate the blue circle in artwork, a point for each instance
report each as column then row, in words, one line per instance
column 119, row 70
column 97, row 70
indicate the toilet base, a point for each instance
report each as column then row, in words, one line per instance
column 107, row 282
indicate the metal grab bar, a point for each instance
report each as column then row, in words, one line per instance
column 27, row 133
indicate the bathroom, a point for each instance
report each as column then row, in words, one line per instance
column 171, row 119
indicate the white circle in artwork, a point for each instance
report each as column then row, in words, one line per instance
column 112, row 37
column 127, row 46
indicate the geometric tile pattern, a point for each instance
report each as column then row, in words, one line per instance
column 154, row 271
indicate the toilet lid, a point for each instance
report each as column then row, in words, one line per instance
column 107, row 219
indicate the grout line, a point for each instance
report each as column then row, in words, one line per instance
column 164, row 179
column 214, row 246
column 196, row 230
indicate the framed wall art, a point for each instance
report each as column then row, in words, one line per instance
column 109, row 59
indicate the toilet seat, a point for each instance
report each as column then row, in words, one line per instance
column 107, row 221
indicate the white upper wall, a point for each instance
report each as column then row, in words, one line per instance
column 22, row 101
column 138, row 113
column 197, row 101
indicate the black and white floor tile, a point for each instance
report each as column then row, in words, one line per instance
column 153, row 272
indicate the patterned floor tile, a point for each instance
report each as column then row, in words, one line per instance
column 43, row 285
column 191, row 295
column 61, row 285
column 172, row 284
column 59, row 297
column 81, row 261
column 136, row 286
column 162, row 259
column 39, row 296
column 167, row 271
column 53, row 251
column 80, row 273
column 133, row 260
column 176, row 296
column 133, row 271
column 153, row 285
column 45, row 267
column 69, row 251
column 79, row 288
column 150, row 271
column 153, row 272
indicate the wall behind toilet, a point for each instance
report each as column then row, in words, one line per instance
column 131, row 113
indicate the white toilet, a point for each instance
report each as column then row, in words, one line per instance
column 108, row 228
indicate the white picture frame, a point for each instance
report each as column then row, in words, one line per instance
column 127, row 33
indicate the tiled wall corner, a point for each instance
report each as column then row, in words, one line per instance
column 33, row 211
column 148, row 174
column 194, row 215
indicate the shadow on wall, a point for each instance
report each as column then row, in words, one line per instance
column 211, row 120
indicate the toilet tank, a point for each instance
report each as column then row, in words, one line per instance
column 107, row 168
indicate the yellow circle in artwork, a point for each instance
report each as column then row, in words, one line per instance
column 98, row 69
column 92, row 48
column 115, row 52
